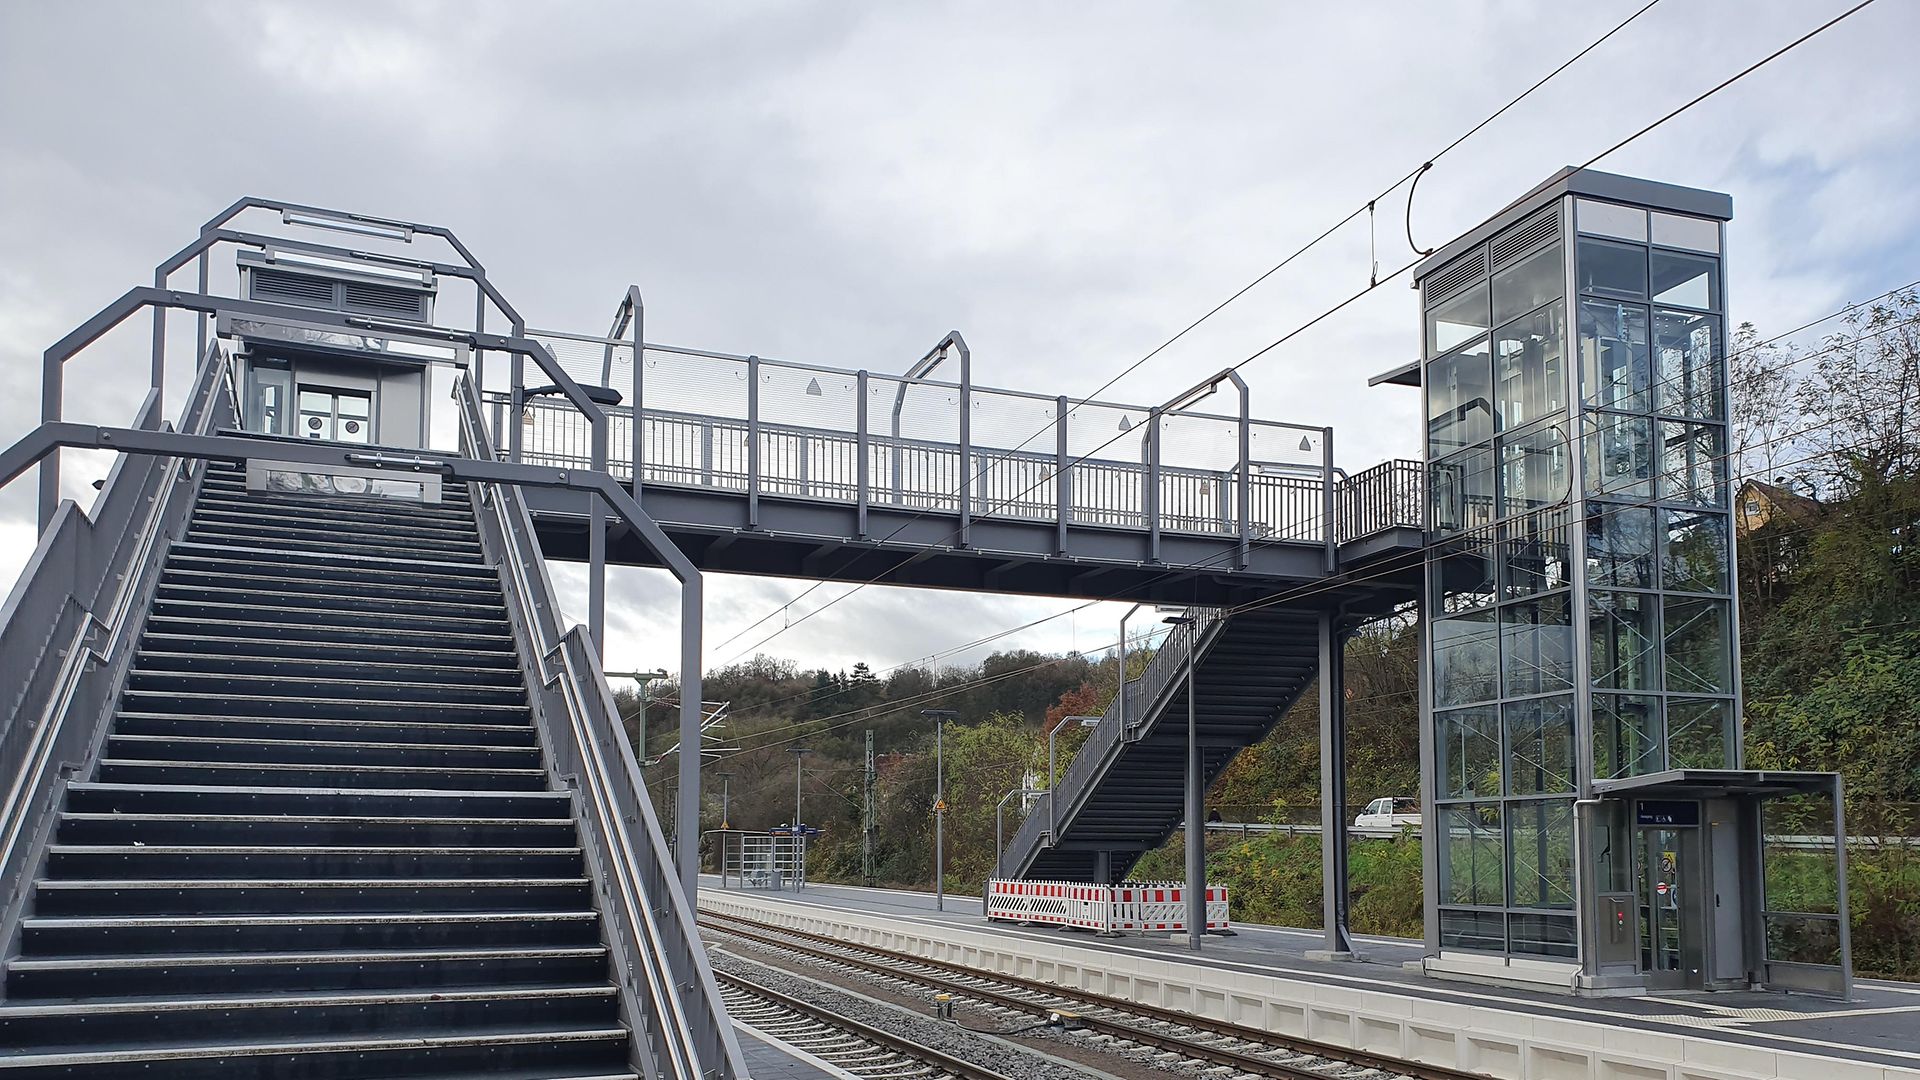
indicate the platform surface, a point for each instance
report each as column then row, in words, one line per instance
column 1881, row 1024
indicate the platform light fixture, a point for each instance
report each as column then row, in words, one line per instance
column 349, row 223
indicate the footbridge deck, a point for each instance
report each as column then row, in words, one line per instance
column 771, row 467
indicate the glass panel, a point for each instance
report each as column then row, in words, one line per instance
column 1804, row 939
column 1451, row 322
column 1686, row 280
column 1693, row 463
column 1527, row 284
column 1626, row 736
column 1543, row 935
column 1616, row 270
column 1539, row 746
column 1529, row 359
column 1468, row 748
column 1797, row 854
column 1466, row 659
column 1697, row 652
column 1692, row 233
column 1687, row 365
column 1625, row 640
column 1471, row 865
column 1612, row 219
column 1697, row 733
column 1533, row 469
column 1481, row 930
column 1536, row 645
column 355, row 405
column 1535, row 554
column 1695, row 556
column 1462, row 490
column 1460, row 399
column 1541, row 845
column 1619, row 546
column 1464, row 576
column 1619, row 454
column 1615, row 365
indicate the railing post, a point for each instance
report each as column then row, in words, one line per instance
column 966, row 443
column 638, row 416
column 1062, row 477
column 863, row 447
column 479, row 354
column 52, row 380
column 753, row 442
column 517, row 396
column 1326, row 499
column 1244, row 546
column 200, row 321
column 1150, row 500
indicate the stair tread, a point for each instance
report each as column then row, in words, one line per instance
column 375, row 703
column 296, row 999
column 162, row 1052
column 247, row 789
column 321, row 742
column 301, row 849
column 241, row 625
column 234, row 552
column 310, row 956
column 318, row 766
column 319, row 918
column 172, row 652
column 88, row 884
column 324, row 680
column 320, row 819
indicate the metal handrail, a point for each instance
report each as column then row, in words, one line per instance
column 613, row 789
column 100, row 641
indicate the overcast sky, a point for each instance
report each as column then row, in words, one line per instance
column 1067, row 184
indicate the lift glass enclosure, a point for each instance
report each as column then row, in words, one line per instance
column 1592, row 824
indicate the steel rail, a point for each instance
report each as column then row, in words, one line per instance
column 956, row 1066
column 1245, row 1061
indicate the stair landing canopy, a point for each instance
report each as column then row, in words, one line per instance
column 1587, row 815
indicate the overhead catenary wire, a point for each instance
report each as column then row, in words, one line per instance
column 1366, row 207
column 1343, row 304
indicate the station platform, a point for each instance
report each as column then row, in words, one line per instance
column 1875, row 1035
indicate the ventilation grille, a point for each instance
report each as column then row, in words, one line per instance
column 380, row 299
column 297, row 288
column 1456, row 275
column 1537, row 231
column 280, row 285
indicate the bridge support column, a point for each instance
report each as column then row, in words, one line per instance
column 1333, row 791
column 1103, row 867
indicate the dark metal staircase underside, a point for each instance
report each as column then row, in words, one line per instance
column 320, row 840
column 1250, row 671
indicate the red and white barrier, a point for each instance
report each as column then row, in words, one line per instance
column 1148, row 906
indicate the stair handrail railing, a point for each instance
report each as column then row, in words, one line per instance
column 64, row 585
column 592, row 751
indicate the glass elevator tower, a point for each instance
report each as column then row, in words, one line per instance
column 1588, row 822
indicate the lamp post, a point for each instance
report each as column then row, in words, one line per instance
column 799, row 838
column 640, row 732
column 1196, row 829
column 1053, row 806
column 939, row 718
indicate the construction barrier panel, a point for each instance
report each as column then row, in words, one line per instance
column 1149, row 906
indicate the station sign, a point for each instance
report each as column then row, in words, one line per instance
column 1665, row 814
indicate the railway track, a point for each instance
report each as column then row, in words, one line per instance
column 854, row 1045
column 1216, row 1042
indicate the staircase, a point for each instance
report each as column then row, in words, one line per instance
column 1122, row 796
column 320, row 840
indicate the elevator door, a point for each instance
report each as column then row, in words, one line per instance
column 1672, row 890
column 336, row 415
